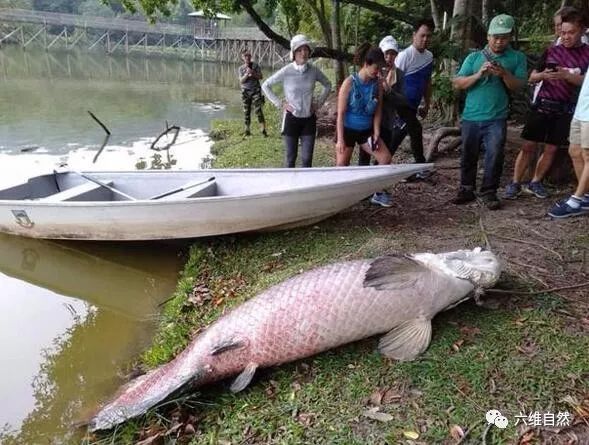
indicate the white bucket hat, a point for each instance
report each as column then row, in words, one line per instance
column 296, row 42
column 388, row 43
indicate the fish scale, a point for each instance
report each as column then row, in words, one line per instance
column 309, row 313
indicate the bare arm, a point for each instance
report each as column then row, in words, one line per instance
column 536, row 76
column 510, row 81
column 377, row 115
column 465, row 82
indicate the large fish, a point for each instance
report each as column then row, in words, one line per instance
column 312, row 312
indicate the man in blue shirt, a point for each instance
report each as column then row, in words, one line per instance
column 417, row 64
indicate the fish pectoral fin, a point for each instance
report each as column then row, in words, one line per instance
column 244, row 379
column 393, row 272
column 407, row 341
column 228, row 345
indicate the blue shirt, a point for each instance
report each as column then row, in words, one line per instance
column 417, row 67
column 362, row 102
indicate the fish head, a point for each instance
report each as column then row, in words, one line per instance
column 481, row 267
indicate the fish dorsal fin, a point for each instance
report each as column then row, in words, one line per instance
column 406, row 341
column 244, row 379
column 393, row 272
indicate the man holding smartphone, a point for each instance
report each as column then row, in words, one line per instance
column 487, row 76
column 560, row 70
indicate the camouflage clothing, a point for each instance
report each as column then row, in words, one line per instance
column 255, row 97
column 251, row 93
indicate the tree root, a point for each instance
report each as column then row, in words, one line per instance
column 441, row 133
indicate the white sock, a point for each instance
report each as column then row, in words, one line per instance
column 574, row 202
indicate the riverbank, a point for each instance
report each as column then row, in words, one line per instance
column 519, row 353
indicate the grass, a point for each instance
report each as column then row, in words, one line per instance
column 520, row 358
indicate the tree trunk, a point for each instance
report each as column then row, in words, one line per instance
column 323, row 22
column 485, row 12
column 436, row 14
column 459, row 15
column 335, row 27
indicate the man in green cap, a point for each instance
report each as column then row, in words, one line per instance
column 488, row 76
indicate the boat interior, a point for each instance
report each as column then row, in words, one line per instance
column 75, row 186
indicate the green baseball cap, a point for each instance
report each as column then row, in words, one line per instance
column 501, row 24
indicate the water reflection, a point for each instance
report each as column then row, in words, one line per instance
column 44, row 97
column 71, row 316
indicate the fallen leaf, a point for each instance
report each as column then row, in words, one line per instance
column 150, row 440
column 413, row 435
column 456, row 345
column 390, row 395
column 189, row 430
column 376, row 398
column 527, row 438
column 305, row 419
column 375, row 415
column 456, row 432
column 469, row 331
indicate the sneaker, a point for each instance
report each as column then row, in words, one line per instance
column 382, row 199
column 585, row 204
column 247, row 133
column 491, row 201
column 537, row 189
column 513, row 190
column 463, row 197
column 419, row 176
column 563, row 210
column 264, row 133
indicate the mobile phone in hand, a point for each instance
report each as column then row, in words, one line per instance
column 551, row 66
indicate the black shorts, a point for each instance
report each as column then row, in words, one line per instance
column 547, row 128
column 353, row 137
column 298, row 126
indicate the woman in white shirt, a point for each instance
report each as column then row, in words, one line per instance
column 299, row 104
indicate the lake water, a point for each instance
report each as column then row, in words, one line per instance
column 73, row 315
column 45, row 98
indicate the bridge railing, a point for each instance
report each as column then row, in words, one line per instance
column 110, row 23
column 118, row 24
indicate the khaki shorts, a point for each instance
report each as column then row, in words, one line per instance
column 579, row 134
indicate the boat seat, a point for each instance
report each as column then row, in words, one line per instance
column 209, row 188
column 88, row 191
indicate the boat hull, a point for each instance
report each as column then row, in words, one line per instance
column 302, row 203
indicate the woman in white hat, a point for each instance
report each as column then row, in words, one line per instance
column 299, row 105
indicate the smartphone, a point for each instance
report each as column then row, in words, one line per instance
column 551, row 66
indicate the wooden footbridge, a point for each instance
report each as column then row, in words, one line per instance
column 109, row 34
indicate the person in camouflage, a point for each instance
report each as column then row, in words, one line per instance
column 250, row 75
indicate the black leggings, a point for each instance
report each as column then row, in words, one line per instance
column 293, row 129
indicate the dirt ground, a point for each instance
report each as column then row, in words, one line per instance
column 539, row 252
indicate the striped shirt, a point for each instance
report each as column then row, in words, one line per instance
column 576, row 59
